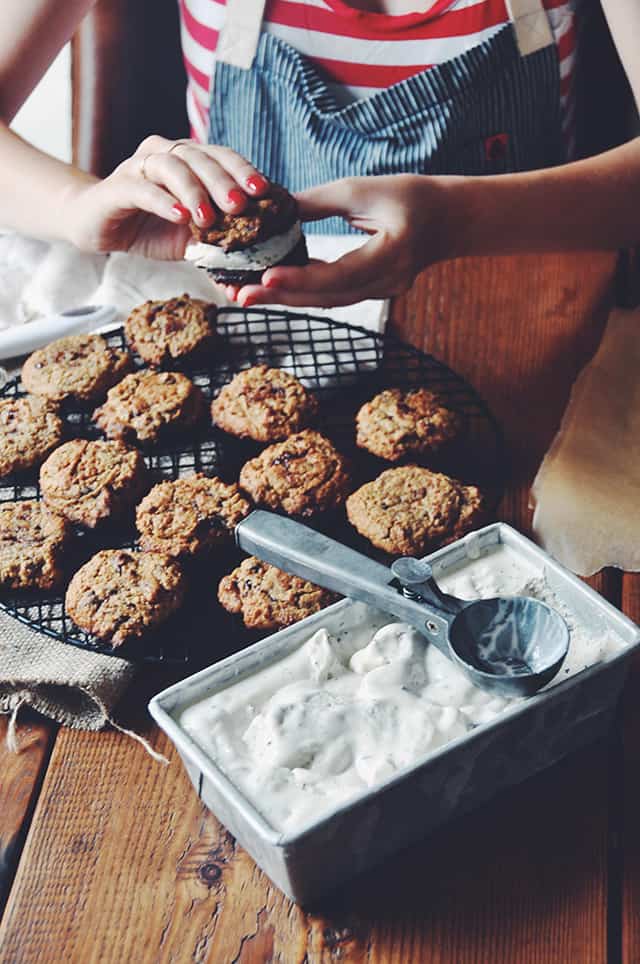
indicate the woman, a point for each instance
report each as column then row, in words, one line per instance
column 413, row 151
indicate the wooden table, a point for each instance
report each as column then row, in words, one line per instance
column 107, row 856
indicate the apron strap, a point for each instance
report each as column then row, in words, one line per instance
column 240, row 33
column 531, row 25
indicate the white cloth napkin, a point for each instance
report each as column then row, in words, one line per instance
column 38, row 279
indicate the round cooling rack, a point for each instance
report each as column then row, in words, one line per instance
column 344, row 366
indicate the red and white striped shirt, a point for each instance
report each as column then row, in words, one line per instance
column 360, row 53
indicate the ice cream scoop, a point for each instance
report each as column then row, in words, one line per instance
column 512, row 645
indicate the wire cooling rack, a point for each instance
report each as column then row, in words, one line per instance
column 344, row 366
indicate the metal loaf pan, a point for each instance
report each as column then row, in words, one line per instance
column 526, row 738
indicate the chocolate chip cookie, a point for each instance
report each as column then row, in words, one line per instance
column 238, row 248
column 409, row 510
column 146, row 404
column 88, row 482
column 81, row 367
column 29, row 429
column 303, row 475
column 120, row 595
column 32, row 542
column 265, row 404
column 190, row 516
column 396, row 424
column 268, row 598
column 162, row 331
column 261, row 218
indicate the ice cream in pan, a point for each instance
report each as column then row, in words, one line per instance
column 238, row 248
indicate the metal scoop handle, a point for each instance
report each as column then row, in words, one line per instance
column 297, row 549
column 22, row 339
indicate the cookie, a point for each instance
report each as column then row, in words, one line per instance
column 409, row 510
column 88, row 482
column 32, row 542
column 145, row 404
column 120, row 595
column 81, row 367
column 265, row 404
column 261, row 218
column 396, row 424
column 268, row 598
column 190, row 516
column 30, row 428
column 238, row 248
column 163, row 331
column 303, row 475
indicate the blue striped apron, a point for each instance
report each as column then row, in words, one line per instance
column 493, row 109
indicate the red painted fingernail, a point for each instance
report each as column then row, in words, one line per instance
column 236, row 197
column 249, row 301
column 179, row 211
column 257, row 183
column 205, row 211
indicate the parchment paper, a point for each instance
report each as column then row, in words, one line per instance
column 587, row 490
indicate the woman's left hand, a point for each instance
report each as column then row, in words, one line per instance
column 408, row 219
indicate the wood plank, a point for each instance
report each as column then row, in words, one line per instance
column 122, row 862
column 20, row 780
column 629, row 840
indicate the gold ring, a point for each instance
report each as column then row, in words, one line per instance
column 142, row 167
column 177, row 144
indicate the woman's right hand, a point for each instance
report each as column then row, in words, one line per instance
column 146, row 204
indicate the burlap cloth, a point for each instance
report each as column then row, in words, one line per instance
column 67, row 684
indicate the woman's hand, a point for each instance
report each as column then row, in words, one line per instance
column 146, row 204
column 409, row 221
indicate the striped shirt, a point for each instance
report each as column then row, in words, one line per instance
column 360, row 53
